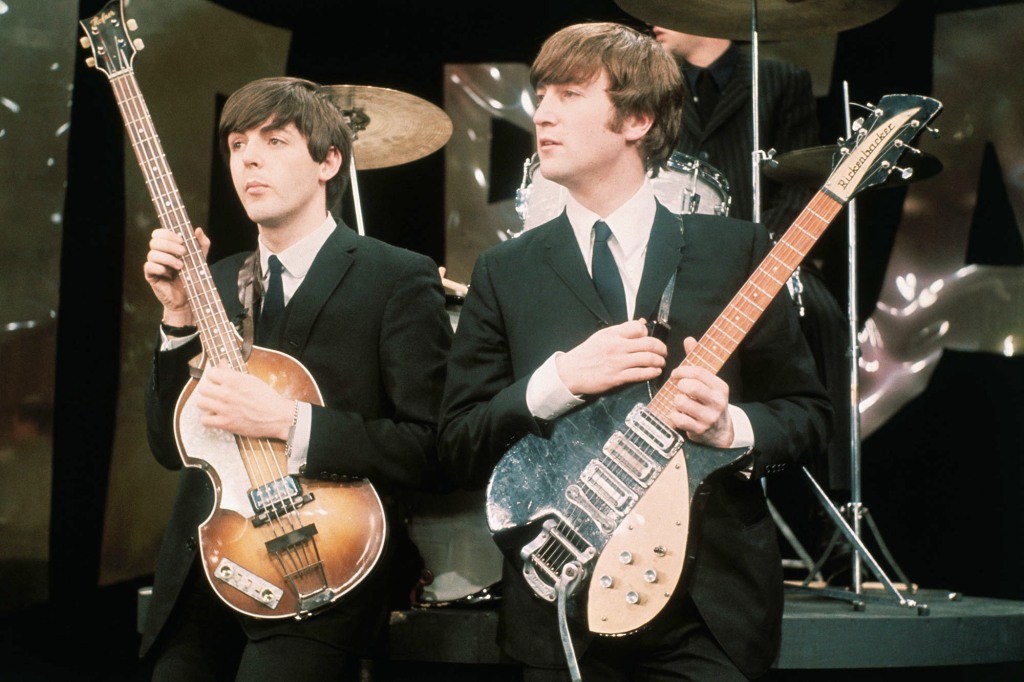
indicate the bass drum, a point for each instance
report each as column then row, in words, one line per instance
column 686, row 185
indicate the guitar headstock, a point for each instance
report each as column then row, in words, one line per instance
column 871, row 153
column 106, row 34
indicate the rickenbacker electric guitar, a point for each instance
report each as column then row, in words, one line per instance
column 606, row 500
column 275, row 545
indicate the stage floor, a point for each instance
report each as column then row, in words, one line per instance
column 817, row 632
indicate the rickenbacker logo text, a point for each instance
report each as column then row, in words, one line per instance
column 866, row 153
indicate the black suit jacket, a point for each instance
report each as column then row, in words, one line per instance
column 369, row 324
column 788, row 118
column 532, row 296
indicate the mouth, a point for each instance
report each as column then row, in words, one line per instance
column 544, row 144
column 255, row 186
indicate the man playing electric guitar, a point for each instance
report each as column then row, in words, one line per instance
column 368, row 322
column 557, row 317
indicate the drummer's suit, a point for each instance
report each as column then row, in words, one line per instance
column 532, row 296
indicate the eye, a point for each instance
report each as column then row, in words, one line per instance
column 235, row 145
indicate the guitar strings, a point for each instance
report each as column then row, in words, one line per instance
column 217, row 336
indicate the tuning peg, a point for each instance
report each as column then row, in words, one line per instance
column 139, row 45
column 933, row 131
column 905, row 173
column 900, row 144
column 90, row 62
column 132, row 25
column 84, row 42
column 857, row 125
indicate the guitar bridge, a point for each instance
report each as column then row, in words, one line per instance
column 544, row 558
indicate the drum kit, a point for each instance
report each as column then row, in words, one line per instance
column 392, row 128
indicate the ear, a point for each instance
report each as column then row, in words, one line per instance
column 635, row 127
column 331, row 164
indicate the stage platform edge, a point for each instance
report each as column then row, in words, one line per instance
column 817, row 633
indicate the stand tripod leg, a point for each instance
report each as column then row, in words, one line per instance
column 794, row 542
column 861, row 553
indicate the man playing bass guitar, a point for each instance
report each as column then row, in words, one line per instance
column 367, row 321
column 557, row 318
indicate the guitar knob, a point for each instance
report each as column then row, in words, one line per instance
column 632, row 597
column 626, row 558
column 606, row 581
column 650, row 576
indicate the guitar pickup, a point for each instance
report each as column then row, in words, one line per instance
column 646, row 424
column 628, row 456
column 276, row 499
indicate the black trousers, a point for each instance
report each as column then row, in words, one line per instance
column 677, row 646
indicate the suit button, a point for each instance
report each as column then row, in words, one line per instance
column 324, row 475
column 335, row 477
column 191, row 544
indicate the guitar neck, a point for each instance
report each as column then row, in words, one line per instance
column 216, row 331
column 746, row 307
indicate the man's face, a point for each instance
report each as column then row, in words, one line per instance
column 276, row 179
column 577, row 141
column 678, row 44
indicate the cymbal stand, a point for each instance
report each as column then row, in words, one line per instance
column 855, row 507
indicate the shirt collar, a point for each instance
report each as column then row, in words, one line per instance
column 630, row 223
column 721, row 69
column 297, row 259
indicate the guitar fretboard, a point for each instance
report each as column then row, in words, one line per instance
column 216, row 331
column 746, row 307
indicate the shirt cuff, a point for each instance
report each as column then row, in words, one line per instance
column 546, row 395
column 172, row 342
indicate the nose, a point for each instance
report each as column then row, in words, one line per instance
column 250, row 155
column 543, row 114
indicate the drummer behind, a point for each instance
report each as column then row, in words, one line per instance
column 718, row 126
column 536, row 340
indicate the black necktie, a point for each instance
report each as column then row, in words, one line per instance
column 606, row 274
column 707, row 95
column 273, row 302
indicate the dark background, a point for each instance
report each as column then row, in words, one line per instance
column 941, row 478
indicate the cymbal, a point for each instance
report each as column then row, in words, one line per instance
column 390, row 127
column 776, row 19
column 811, row 167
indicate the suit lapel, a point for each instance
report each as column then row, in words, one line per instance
column 661, row 261
column 562, row 254
column 329, row 267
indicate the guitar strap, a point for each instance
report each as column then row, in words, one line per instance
column 250, row 294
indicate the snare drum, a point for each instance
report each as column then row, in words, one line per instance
column 686, row 185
